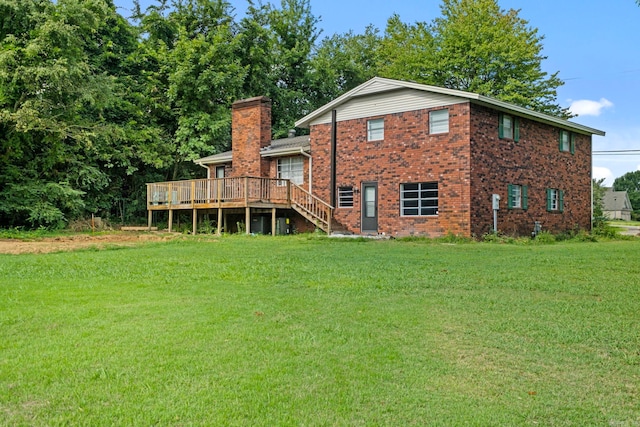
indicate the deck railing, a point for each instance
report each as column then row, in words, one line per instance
column 314, row 208
column 191, row 193
column 208, row 193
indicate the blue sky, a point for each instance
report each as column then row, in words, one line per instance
column 594, row 45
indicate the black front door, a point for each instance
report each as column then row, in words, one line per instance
column 369, row 207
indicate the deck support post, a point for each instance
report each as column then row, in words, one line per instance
column 150, row 220
column 170, row 219
column 247, row 220
column 219, row 231
column 273, row 221
column 195, row 221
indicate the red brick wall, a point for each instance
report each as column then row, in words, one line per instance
column 469, row 163
column 251, row 131
column 408, row 154
column 535, row 161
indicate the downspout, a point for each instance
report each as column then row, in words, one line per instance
column 308, row 156
column 207, row 168
column 334, row 137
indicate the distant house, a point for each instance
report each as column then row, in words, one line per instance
column 616, row 205
column 397, row 158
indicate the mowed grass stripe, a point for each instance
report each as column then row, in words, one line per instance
column 309, row 331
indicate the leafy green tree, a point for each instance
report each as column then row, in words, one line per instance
column 406, row 51
column 277, row 43
column 630, row 182
column 598, row 202
column 341, row 62
column 475, row 46
column 47, row 90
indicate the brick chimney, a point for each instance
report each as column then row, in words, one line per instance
column 250, row 131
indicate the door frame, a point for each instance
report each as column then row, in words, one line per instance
column 367, row 223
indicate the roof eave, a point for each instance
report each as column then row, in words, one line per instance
column 471, row 97
column 284, row 151
column 216, row 161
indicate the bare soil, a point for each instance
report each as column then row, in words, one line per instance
column 79, row 241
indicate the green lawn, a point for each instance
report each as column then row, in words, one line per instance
column 304, row 331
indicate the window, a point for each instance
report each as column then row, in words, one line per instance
column 439, row 121
column 375, row 130
column 509, row 127
column 219, row 171
column 567, row 141
column 345, row 197
column 518, row 197
column 419, row 199
column 555, row 200
column 291, row 168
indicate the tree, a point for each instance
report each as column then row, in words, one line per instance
column 277, row 43
column 406, row 51
column 630, row 182
column 598, row 202
column 50, row 105
column 475, row 46
column 340, row 63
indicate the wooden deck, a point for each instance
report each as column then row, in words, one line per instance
column 233, row 193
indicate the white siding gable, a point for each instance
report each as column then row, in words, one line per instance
column 388, row 102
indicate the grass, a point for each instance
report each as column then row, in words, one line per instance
column 310, row 331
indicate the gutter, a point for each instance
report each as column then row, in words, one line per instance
column 308, row 156
column 207, row 168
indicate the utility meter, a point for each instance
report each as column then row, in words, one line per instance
column 495, row 199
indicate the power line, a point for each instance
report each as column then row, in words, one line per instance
column 616, row 152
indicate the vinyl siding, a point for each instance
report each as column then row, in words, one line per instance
column 396, row 101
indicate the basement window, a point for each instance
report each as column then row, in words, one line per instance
column 555, row 200
column 419, row 199
column 518, row 196
column 345, row 197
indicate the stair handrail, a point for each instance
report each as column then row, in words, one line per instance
column 307, row 203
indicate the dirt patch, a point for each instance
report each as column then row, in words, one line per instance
column 79, row 241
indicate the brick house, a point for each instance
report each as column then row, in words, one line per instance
column 399, row 158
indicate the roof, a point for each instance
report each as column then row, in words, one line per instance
column 285, row 146
column 616, row 200
column 278, row 147
column 380, row 85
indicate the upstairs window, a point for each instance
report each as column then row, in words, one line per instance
column 439, row 121
column 291, row 168
column 509, row 127
column 345, row 197
column 375, row 130
column 567, row 141
column 518, row 197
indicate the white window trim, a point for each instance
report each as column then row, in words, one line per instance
column 437, row 122
column 291, row 168
column 375, row 130
column 345, row 193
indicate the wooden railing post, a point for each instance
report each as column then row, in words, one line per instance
column 193, row 193
column 246, row 190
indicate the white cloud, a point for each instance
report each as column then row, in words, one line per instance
column 600, row 172
column 586, row 107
